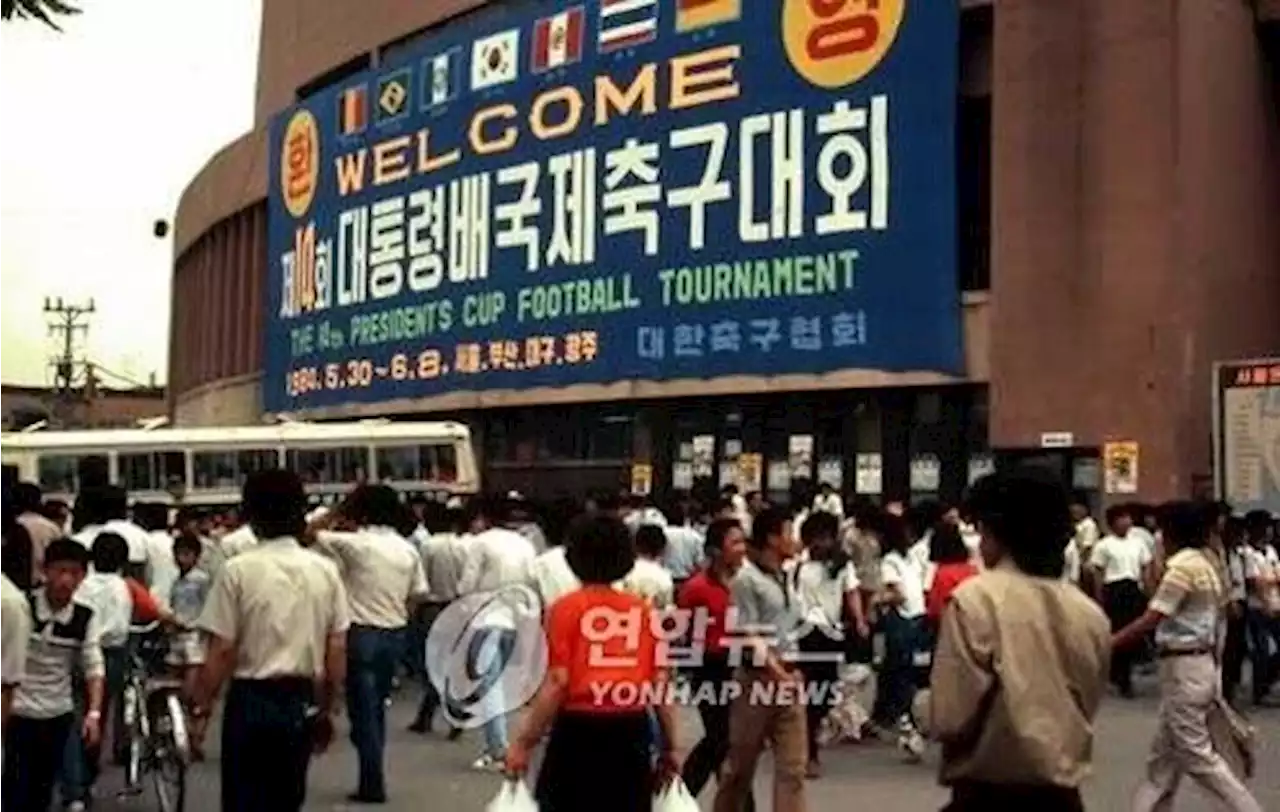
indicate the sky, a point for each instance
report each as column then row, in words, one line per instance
column 105, row 124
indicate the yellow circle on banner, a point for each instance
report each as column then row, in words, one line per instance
column 300, row 162
column 834, row 43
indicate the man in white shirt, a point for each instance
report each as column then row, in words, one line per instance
column 643, row 512
column 106, row 508
column 1120, row 564
column 443, row 554
column 1235, row 647
column 15, row 631
column 383, row 578
column 496, row 558
column 684, row 553
column 276, row 621
column 27, row 504
column 1086, row 529
column 1071, row 562
column 648, row 580
column 237, row 541
column 104, row 591
column 552, row 577
column 162, row 569
column 520, row 518
column 1262, row 618
column 65, row 635
column 738, row 507
column 828, row 501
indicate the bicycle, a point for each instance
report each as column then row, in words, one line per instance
column 159, row 745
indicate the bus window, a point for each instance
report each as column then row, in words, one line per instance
column 227, row 469
column 152, row 471
column 439, row 463
column 329, row 466
column 214, row 469
column 417, row 463
column 57, row 472
column 251, row 462
column 397, row 464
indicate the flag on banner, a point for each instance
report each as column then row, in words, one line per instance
column 393, row 95
column 627, row 23
column 557, row 40
column 494, row 59
column 694, row 14
column 441, row 75
column 353, row 110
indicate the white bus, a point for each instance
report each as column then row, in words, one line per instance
column 207, row 466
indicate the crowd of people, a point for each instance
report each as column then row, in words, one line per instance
column 1013, row 611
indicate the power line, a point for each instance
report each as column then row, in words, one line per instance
column 120, row 376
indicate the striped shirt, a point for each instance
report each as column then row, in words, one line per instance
column 1190, row 596
column 59, row 640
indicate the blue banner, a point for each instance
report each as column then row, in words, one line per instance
column 544, row 195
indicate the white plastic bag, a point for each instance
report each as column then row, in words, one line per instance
column 513, row 797
column 675, row 797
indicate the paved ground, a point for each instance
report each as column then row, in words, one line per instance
column 430, row 773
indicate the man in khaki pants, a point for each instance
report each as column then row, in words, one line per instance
column 767, row 706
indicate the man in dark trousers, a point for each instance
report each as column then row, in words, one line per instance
column 277, row 619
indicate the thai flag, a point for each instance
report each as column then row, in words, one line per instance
column 627, row 23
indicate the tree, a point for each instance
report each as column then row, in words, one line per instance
column 43, row 10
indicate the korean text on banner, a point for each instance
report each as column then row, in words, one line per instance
column 548, row 194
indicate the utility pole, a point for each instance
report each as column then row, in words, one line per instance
column 68, row 322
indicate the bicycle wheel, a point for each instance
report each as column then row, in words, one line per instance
column 169, row 774
column 169, row 755
column 134, row 725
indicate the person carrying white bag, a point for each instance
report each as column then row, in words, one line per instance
column 516, row 797
column 675, row 797
column 603, row 676
column 513, row 797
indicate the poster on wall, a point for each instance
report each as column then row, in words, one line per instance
column 728, row 473
column 1247, row 434
column 800, row 455
column 538, row 194
column 831, row 472
column 980, row 465
column 869, row 474
column 641, row 479
column 682, row 476
column 779, row 477
column 926, row 473
column 704, row 455
column 1120, row 467
column 750, row 472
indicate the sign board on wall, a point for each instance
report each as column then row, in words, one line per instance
column 545, row 194
column 868, row 474
column 1247, row 434
column 1057, row 439
column 1120, row 467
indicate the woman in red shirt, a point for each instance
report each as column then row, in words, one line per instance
column 603, row 676
column 953, row 565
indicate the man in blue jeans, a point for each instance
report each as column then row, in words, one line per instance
column 383, row 577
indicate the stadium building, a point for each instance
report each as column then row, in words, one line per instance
column 757, row 241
